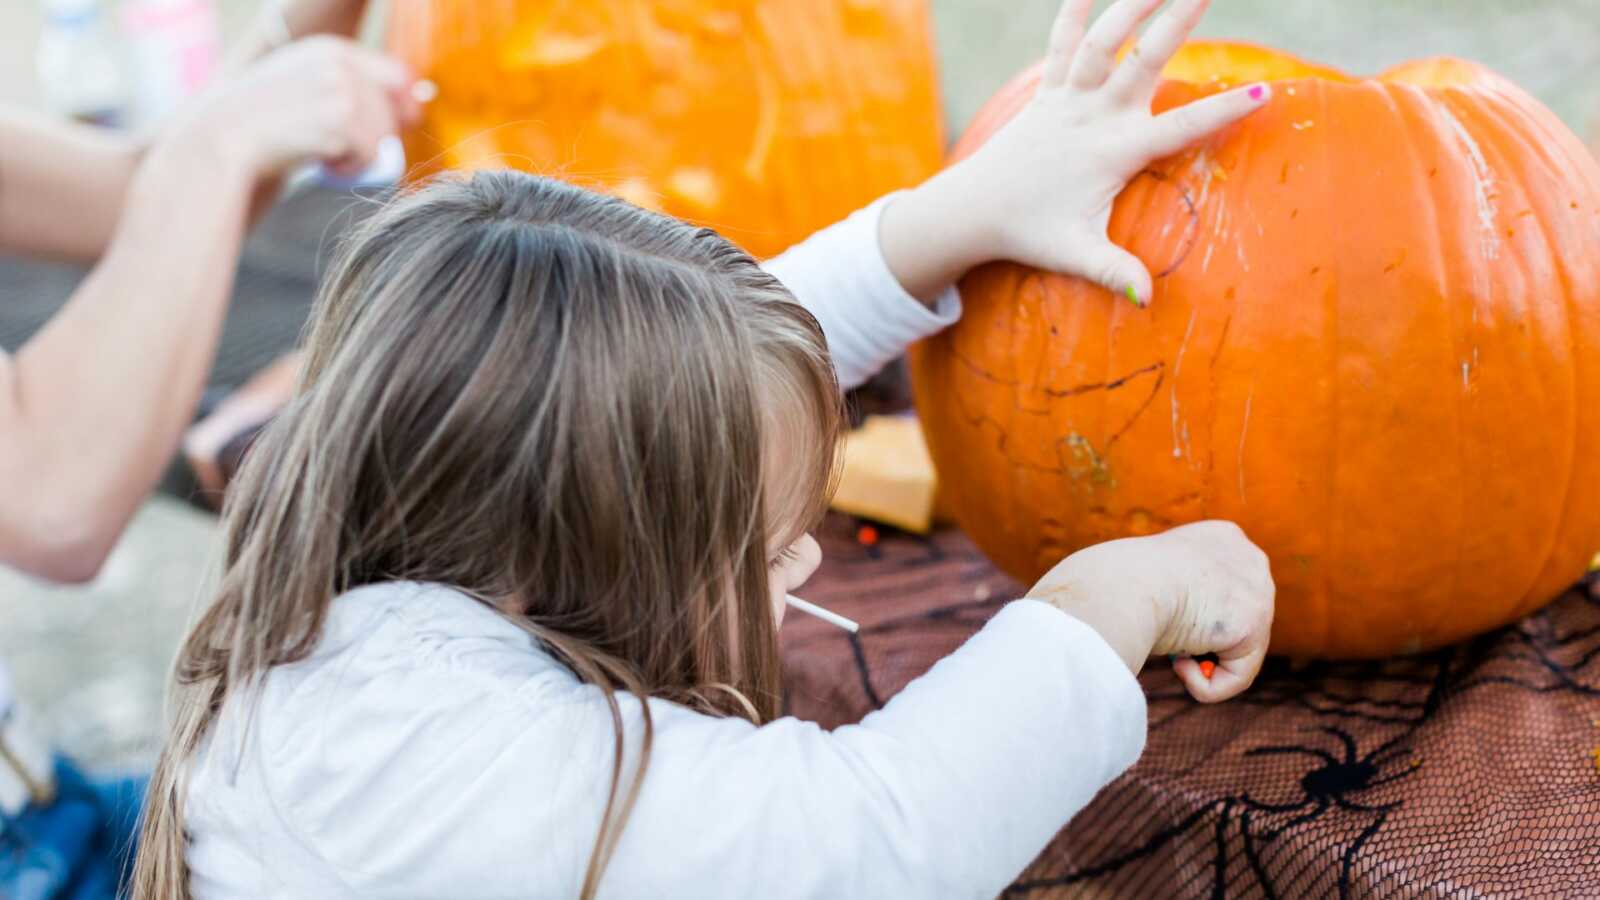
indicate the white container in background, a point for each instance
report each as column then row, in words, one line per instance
column 79, row 65
column 174, row 48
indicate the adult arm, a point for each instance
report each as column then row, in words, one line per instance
column 92, row 406
column 62, row 185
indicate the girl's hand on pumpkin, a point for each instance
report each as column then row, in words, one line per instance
column 321, row 99
column 1040, row 191
column 1200, row 588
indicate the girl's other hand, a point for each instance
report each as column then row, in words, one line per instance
column 1200, row 588
column 1040, row 190
column 320, row 99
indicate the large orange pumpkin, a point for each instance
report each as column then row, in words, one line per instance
column 1374, row 343
column 767, row 119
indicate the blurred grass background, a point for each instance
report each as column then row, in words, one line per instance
column 92, row 659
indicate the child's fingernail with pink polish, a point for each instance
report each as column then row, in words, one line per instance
column 1258, row 92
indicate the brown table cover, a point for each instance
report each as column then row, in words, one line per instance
column 1468, row 772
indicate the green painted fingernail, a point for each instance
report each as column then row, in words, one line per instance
column 1133, row 296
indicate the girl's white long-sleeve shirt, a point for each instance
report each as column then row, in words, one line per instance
column 430, row 749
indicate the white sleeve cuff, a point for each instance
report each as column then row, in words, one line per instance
column 840, row 275
column 903, row 311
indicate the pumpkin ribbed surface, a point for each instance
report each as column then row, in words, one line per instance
column 766, row 119
column 1372, row 344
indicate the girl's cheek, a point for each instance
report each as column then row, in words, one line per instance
column 786, row 579
column 776, row 586
column 810, row 558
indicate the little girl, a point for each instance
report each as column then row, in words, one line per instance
column 504, row 579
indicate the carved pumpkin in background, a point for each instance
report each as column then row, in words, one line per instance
column 1374, row 343
column 767, row 119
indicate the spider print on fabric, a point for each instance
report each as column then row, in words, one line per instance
column 1337, row 776
column 1334, row 783
column 1334, row 780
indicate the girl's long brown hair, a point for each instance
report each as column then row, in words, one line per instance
column 559, row 403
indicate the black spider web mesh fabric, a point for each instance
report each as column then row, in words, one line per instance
column 1469, row 772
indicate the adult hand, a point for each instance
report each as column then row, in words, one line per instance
column 320, row 99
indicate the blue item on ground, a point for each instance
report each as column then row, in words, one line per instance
column 78, row 847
